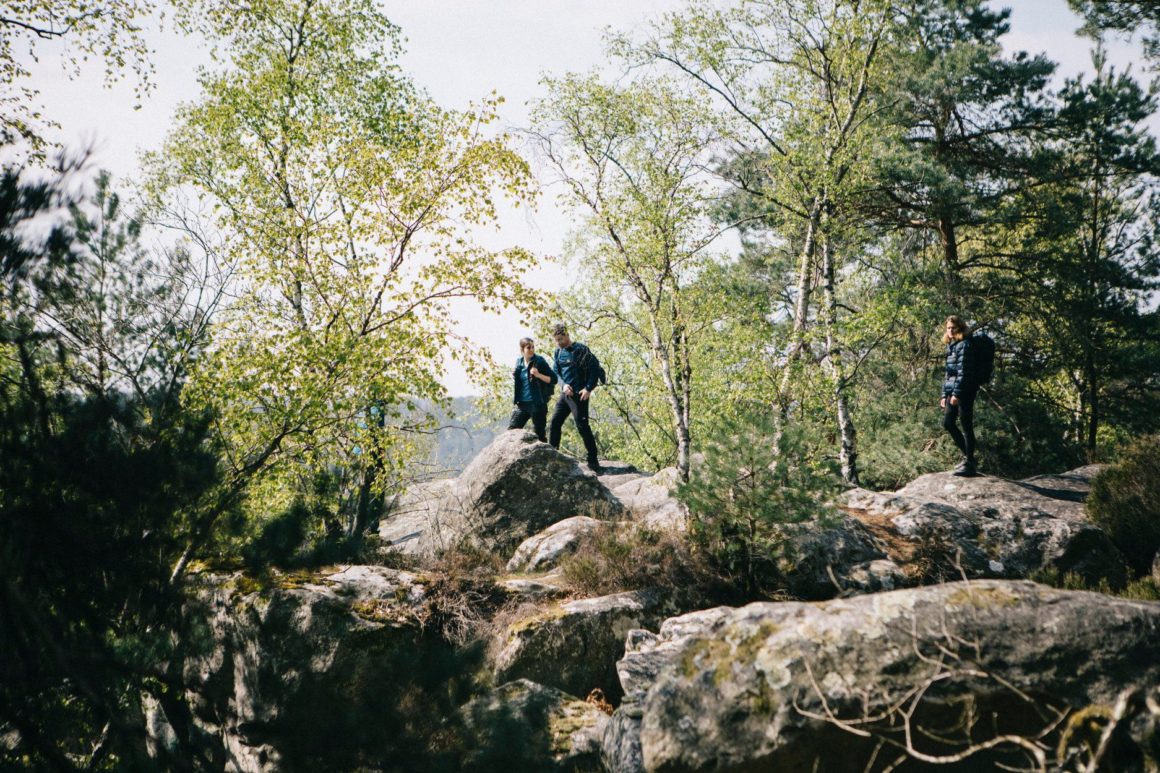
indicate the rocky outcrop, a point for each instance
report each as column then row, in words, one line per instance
column 787, row 686
column 990, row 527
column 574, row 646
column 321, row 671
column 522, row 725
column 514, row 488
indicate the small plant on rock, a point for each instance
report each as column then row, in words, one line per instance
column 746, row 493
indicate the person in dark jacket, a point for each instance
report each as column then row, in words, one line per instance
column 577, row 382
column 530, row 372
column 960, row 386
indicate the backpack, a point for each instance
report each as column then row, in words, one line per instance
column 591, row 361
column 982, row 353
column 546, row 390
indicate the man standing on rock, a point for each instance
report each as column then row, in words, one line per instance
column 575, row 367
column 960, row 386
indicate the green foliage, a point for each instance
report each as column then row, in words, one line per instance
column 103, row 470
column 1125, row 502
column 745, row 491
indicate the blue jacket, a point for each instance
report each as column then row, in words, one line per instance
column 960, row 378
column 572, row 366
column 520, row 372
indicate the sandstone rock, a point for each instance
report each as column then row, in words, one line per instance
column 522, row 725
column 822, row 557
column 767, row 686
column 574, row 646
column 615, row 474
column 651, row 503
column 990, row 527
column 534, row 588
column 543, row 551
column 513, row 488
column 310, row 670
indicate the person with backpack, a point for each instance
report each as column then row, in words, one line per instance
column 533, row 383
column 969, row 363
column 579, row 371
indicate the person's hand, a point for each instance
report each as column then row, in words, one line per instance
column 567, row 390
column 535, row 372
column 584, row 394
column 954, row 400
column 942, row 403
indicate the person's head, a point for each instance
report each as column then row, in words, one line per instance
column 560, row 333
column 527, row 347
column 955, row 329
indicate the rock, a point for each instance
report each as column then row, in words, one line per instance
column 574, row 646
column 650, row 501
column 514, row 487
column 318, row 671
column 522, row 725
column 533, row 589
column 822, row 556
column 766, row 686
column 990, row 527
column 543, row 551
column 616, row 474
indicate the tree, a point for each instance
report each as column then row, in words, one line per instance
column 632, row 159
column 101, row 467
column 342, row 193
column 109, row 30
column 1091, row 256
column 799, row 81
column 1125, row 16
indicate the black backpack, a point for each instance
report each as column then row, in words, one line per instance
column 591, row 361
column 981, row 349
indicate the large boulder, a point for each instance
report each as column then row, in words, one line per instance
column 329, row 671
column 990, row 527
column 522, row 725
column 796, row 686
column 650, row 501
column 514, row 487
column 574, row 646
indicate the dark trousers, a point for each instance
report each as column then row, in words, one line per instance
column 537, row 412
column 578, row 410
column 964, row 413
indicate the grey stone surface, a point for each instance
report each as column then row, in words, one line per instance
column 513, row 488
column 575, row 645
column 766, row 686
column 522, row 725
column 544, row 550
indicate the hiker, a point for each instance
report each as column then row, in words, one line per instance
column 577, row 369
column 960, row 386
column 533, row 381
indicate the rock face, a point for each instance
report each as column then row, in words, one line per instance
column 522, row 725
column 785, row 686
column 575, row 645
column 543, row 551
column 990, row 527
column 650, row 501
column 311, row 672
column 514, row 488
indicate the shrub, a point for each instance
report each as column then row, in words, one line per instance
column 1125, row 502
column 614, row 559
column 745, row 492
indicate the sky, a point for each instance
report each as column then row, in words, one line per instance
column 460, row 51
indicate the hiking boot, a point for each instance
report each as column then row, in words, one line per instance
column 966, row 469
column 595, row 467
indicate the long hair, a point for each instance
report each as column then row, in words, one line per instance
column 960, row 329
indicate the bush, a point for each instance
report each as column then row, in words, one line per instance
column 746, row 492
column 614, row 559
column 1125, row 502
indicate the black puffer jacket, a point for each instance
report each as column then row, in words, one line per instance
column 960, row 377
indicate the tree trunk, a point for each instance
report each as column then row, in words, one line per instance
column 848, row 453
column 674, row 392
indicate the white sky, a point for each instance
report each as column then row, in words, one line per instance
column 459, row 51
